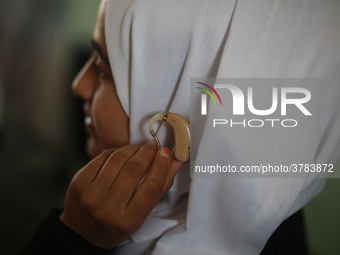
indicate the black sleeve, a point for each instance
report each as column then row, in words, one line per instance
column 54, row 237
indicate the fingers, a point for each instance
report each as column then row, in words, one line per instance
column 119, row 174
column 132, row 173
column 151, row 189
column 175, row 165
column 89, row 172
column 114, row 163
column 109, row 201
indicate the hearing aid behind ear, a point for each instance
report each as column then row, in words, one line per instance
column 181, row 129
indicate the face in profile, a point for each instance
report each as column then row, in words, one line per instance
column 106, row 122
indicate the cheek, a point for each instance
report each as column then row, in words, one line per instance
column 110, row 121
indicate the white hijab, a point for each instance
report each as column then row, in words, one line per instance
column 155, row 47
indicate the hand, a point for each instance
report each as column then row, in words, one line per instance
column 106, row 203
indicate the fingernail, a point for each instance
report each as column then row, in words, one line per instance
column 165, row 152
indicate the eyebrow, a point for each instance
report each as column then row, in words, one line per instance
column 96, row 47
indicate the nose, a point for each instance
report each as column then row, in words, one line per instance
column 84, row 84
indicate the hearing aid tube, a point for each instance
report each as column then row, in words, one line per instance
column 157, row 117
column 181, row 128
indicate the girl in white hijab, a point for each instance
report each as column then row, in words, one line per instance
column 154, row 48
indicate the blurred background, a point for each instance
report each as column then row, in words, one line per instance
column 43, row 44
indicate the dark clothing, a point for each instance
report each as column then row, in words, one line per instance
column 54, row 237
column 288, row 238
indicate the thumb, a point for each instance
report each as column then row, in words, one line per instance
column 175, row 165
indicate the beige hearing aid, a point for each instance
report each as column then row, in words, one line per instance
column 181, row 129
